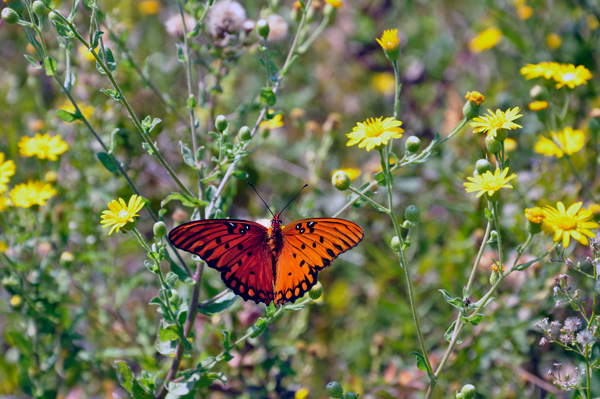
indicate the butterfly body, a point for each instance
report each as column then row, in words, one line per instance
column 278, row 264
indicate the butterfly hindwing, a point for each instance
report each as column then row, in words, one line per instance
column 236, row 248
column 310, row 245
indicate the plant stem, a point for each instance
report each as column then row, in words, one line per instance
column 398, row 89
column 497, row 225
column 377, row 206
column 578, row 176
column 480, row 253
column 302, row 49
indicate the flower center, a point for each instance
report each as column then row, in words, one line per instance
column 373, row 129
column 567, row 77
column 497, row 123
column 123, row 216
column 566, row 223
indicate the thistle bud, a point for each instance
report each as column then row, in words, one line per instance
column 316, row 291
column 482, row 166
column 395, row 244
column 38, row 7
column 10, row 15
column 341, row 180
column 335, row 390
column 262, row 27
column 160, row 229
column 221, row 123
column 412, row 214
column 493, row 145
column 474, row 101
column 245, row 134
column 468, row 391
column 413, row 144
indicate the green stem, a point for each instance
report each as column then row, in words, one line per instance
column 398, row 89
column 588, row 372
column 302, row 49
column 497, row 225
column 376, row 205
column 267, row 66
column 480, row 253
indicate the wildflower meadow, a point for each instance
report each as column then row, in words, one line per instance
column 299, row 199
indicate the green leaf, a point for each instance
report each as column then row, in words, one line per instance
column 212, row 177
column 240, row 174
column 33, row 62
column 62, row 30
column 456, row 302
column 200, row 154
column 168, row 333
column 191, row 102
column 226, row 339
column 186, row 200
column 267, row 96
column 139, row 392
column 295, row 307
column 107, row 162
column 179, row 271
column 115, row 95
column 379, row 178
column 51, row 66
column 148, row 124
column 113, row 143
column 49, row 4
column 125, row 375
column 185, row 387
column 488, row 214
column 67, row 116
column 473, row 319
column 111, row 64
column 96, row 40
column 422, row 365
column 73, row 13
column 188, row 155
column 171, row 279
column 220, row 305
column 21, row 343
column 180, row 53
column 475, row 305
column 449, row 332
column 207, row 363
column 166, row 347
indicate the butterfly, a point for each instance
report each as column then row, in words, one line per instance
column 278, row 264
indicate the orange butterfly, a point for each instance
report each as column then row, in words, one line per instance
column 276, row 264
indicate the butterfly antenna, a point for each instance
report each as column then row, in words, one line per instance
column 303, row 187
column 261, row 198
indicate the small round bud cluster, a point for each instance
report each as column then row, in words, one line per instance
column 473, row 104
column 316, row 291
column 262, row 27
column 341, row 180
column 413, row 144
column 467, row 392
column 221, row 123
column 335, row 390
column 412, row 214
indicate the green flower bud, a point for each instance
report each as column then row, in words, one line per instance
column 262, row 27
column 245, row 134
column 494, row 197
column 221, row 123
column 412, row 214
column 493, row 235
column 494, row 277
column 173, row 296
column 395, row 244
column 38, row 7
column 468, row 391
column 533, row 228
column 493, row 145
column 261, row 323
column 316, row 291
column 16, row 5
column 335, row 390
column 458, row 395
column 350, row 394
column 483, row 165
column 576, row 294
column 341, row 180
column 501, row 135
column 473, row 104
column 10, row 15
column 160, row 229
column 413, row 144
column 53, row 16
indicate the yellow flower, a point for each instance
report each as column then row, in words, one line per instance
column 384, row 83
column 592, row 22
column 475, row 97
column 32, row 193
column 86, row 110
column 375, row 133
column 509, row 144
column 149, row 7
column 485, row 40
column 570, row 142
column 7, row 169
column 44, row 146
column 570, row 223
column 500, row 120
column 489, row 183
column 524, row 12
column 273, row 123
column 594, row 208
column 543, row 69
column 16, row 301
column 535, row 215
column 3, row 247
column 119, row 213
column 85, row 54
column 553, row 41
column 569, row 75
column 4, row 202
column 390, row 43
column 301, row 393
column 538, row 105
column 352, row 173
column 335, row 3
column 51, row 176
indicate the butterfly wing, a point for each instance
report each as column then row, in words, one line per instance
column 236, row 248
column 309, row 246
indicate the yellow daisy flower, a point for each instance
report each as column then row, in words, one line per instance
column 375, row 133
column 489, row 183
column 273, row 123
column 500, row 120
column 32, row 193
column 564, row 224
column 570, row 141
column 524, row 12
column 4, row 203
column 7, row 169
column 335, row 3
column 553, row 41
column 390, row 43
column 538, row 105
column 543, row 69
column 119, row 213
column 510, row 144
column 384, row 83
column 43, row 146
column 149, row 7
column 535, row 215
column 3, row 247
column 594, row 208
column 475, row 97
column 485, row 40
column 569, row 75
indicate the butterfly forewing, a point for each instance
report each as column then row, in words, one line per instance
column 236, row 248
